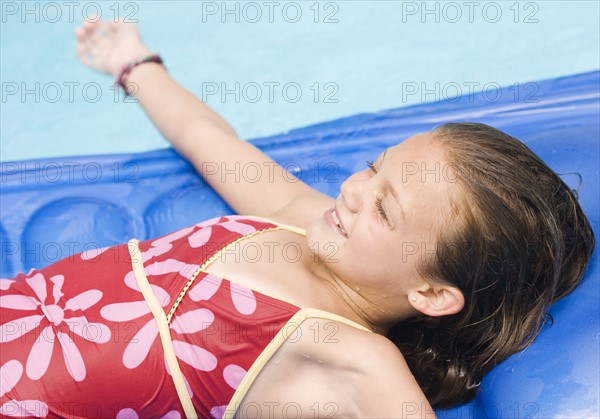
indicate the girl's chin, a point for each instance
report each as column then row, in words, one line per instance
column 320, row 231
column 315, row 234
column 316, row 227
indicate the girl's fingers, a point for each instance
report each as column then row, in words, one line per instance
column 93, row 51
column 113, row 26
column 80, row 49
column 80, row 33
column 87, row 26
column 90, row 26
column 95, row 35
column 84, row 56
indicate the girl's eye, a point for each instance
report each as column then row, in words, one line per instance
column 371, row 166
column 378, row 200
column 380, row 209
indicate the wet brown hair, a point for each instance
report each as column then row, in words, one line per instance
column 517, row 242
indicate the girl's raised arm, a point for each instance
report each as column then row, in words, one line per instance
column 244, row 176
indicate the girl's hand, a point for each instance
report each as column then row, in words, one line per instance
column 106, row 46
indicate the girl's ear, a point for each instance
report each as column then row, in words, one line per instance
column 437, row 299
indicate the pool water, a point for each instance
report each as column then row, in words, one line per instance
column 269, row 67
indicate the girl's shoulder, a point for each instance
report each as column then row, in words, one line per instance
column 342, row 370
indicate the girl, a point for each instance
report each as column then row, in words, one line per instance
column 408, row 289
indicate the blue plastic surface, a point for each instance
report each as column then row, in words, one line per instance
column 55, row 207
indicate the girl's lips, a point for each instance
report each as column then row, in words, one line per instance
column 332, row 224
column 336, row 219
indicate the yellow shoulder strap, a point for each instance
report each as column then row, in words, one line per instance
column 297, row 230
column 286, row 331
column 321, row 314
column 163, row 329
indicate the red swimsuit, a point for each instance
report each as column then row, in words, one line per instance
column 78, row 338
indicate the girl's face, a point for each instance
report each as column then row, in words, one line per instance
column 388, row 216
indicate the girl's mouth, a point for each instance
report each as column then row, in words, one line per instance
column 333, row 220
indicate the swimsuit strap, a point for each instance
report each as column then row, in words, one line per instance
column 315, row 313
column 284, row 333
column 163, row 328
column 297, row 230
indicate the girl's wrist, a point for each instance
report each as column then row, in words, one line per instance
column 126, row 69
column 117, row 67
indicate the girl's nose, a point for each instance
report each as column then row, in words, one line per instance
column 352, row 189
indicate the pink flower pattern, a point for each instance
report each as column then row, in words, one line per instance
column 139, row 346
column 64, row 303
column 5, row 283
column 53, row 317
column 128, row 413
column 23, row 408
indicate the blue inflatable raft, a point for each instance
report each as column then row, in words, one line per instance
column 56, row 207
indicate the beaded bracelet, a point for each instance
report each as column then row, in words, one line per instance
column 126, row 69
